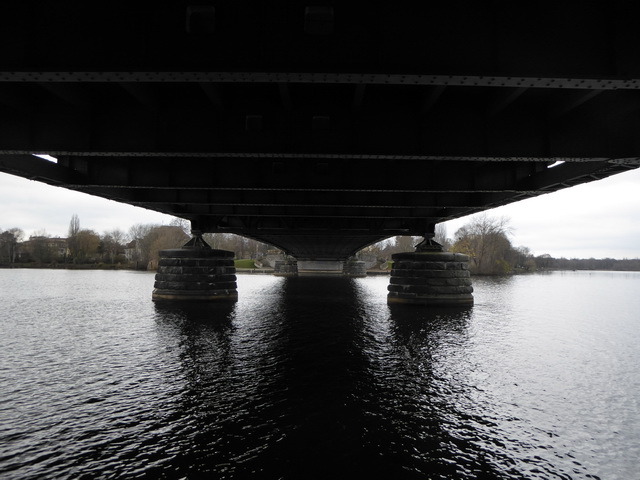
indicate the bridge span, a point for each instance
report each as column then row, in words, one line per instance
column 319, row 129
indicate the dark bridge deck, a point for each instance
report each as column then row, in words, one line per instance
column 319, row 130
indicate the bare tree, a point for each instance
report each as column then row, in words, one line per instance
column 184, row 224
column 9, row 240
column 18, row 233
column 87, row 245
column 112, row 243
column 40, row 248
column 522, row 259
column 149, row 239
column 139, row 236
column 72, row 237
column 74, row 225
column 404, row 244
column 486, row 241
column 163, row 238
column 441, row 236
column 214, row 240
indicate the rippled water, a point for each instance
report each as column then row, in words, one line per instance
column 312, row 377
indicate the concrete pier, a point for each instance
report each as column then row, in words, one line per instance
column 430, row 278
column 285, row 268
column 354, row 268
column 195, row 272
column 319, row 267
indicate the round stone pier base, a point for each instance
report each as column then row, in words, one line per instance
column 354, row 268
column 430, row 278
column 195, row 274
column 285, row 268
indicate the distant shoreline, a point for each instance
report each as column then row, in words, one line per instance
column 268, row 271
column 68, row 266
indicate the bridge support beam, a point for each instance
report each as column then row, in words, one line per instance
column 195, row 272
column 430, row 277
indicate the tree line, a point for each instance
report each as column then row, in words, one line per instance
column 137, row 248
column 485, row 239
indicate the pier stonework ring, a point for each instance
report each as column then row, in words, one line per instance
column 430, row 278
column 195, row 274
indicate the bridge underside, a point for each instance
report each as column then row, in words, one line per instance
column 319, row 129
column 322, row 207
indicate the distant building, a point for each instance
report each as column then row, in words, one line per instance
column 132, row 251
column 43, row 249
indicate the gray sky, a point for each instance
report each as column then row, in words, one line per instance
column 600, row 219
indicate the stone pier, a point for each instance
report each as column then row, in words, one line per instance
column 354, row 268
column 285, row 268
column 195, row 272
column 431, row 277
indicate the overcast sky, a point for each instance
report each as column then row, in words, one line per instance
column 599, row 219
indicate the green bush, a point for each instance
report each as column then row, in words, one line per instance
column 245, row 263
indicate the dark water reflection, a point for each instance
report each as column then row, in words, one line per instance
column 315, row 377
column 316, row 384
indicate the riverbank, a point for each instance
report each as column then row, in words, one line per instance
column 69, row 266
column 260, row 271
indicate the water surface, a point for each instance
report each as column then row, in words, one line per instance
column 310, row 377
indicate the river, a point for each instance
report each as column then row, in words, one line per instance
column 312, row 377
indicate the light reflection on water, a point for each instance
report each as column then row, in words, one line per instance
column 314, row 376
